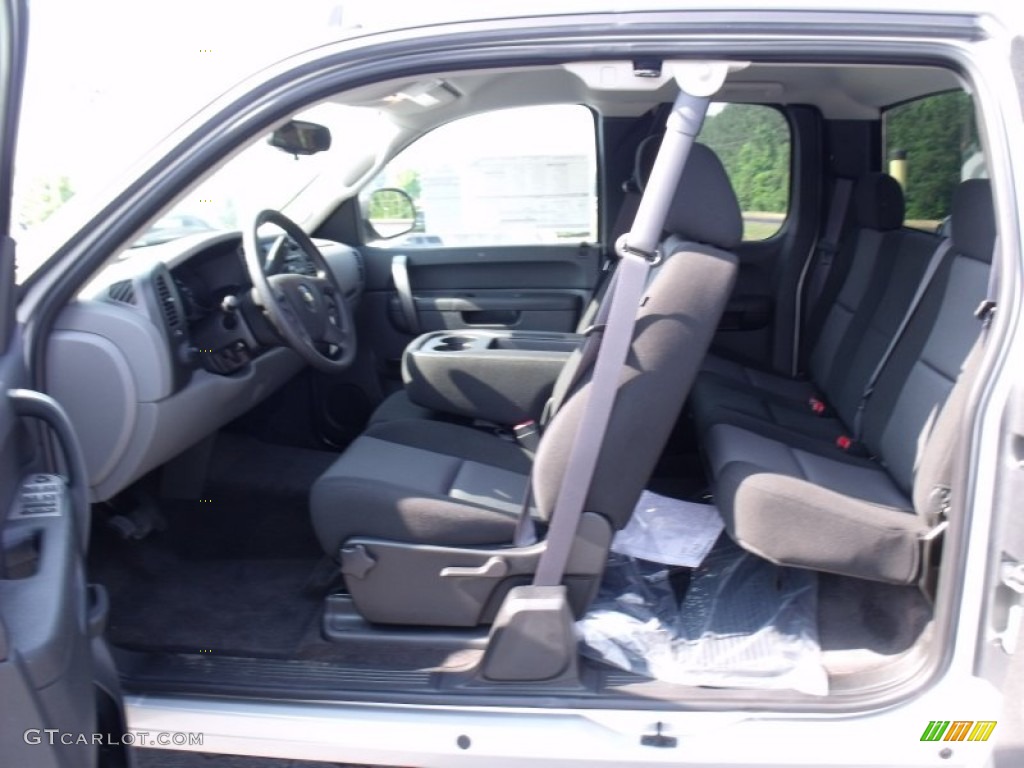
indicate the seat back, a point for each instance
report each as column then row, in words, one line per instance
column 862, row 267
column 928, row 359
column 676, row 320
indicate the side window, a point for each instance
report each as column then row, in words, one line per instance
column 510, row 177
column 754, row 144
column 931, row 145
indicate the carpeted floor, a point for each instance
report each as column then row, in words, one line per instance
column 236, row 570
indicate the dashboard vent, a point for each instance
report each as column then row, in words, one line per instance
column 122, row 291
column 169, row 304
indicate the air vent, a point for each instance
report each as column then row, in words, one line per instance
column 168, row 302
column 122, row 291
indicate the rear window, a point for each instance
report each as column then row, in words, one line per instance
column 754, row 144
column 931, row 145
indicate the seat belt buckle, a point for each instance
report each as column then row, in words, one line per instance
column 527, row 434
column 818, row 406
column 853, row 447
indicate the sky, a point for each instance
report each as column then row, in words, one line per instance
column 107, row 79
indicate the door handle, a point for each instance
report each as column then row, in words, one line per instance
column 400, row 277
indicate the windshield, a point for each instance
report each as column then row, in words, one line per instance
column 262, row 176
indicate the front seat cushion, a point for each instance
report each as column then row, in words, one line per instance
column 422, row 482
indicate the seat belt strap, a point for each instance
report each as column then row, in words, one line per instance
column 526, row 531
column 828, row 246
column 823, row 255
column 929, row 274
column 630, row 284
column 637, row 250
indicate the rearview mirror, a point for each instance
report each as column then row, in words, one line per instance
column 298, row 137
column 390, row 212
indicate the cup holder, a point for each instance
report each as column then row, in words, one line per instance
column 453, row 343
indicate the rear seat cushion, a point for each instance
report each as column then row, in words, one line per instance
column 802, row 508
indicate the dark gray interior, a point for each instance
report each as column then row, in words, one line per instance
column 264, row 528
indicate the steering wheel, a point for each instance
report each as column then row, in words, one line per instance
column 310, row 313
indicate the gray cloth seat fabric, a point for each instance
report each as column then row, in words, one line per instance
column 877, row 209
column 888, row 263
column 428, row 482
column 796, row 500
column 422, row 481
column 398, row 407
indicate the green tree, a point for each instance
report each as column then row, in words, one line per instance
column 43, row 197
column 935, row 132
column 409, row 180
column 753, row 144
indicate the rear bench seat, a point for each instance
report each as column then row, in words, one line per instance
column 784, row 488
column 886, row 264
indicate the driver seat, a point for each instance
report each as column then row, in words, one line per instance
column 423, row 514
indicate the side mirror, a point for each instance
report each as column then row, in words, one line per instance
column 390, row 212
column 298, row 137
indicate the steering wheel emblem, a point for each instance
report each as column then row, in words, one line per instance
column 307, row 297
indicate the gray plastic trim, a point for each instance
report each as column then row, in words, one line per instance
column 500, row 376
column 140, row 341
column 90, row 377
column 163, row 430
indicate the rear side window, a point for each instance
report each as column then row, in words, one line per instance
column 931, row 145
column 754, row 144
column 511, row 177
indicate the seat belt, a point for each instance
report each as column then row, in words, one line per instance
column 828, row 247
column 526, row 532
column 637, row 250
column 933, row 266
column 825, row 251
column 612, row 350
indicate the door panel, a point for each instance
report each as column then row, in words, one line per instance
column 46, row 637
column 746, row 328
column 46, row 667
column 528, row 287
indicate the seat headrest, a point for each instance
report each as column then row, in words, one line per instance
column 973, row 221
column 878, row 201
column 704, row 208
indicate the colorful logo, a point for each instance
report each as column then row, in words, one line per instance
column 958, row 730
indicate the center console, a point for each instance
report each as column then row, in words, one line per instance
column 499, row 376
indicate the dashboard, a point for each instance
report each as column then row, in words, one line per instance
column 164, row 347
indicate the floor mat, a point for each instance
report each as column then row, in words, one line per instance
column 161, row 601
column 238, row 570
column 743, row 623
